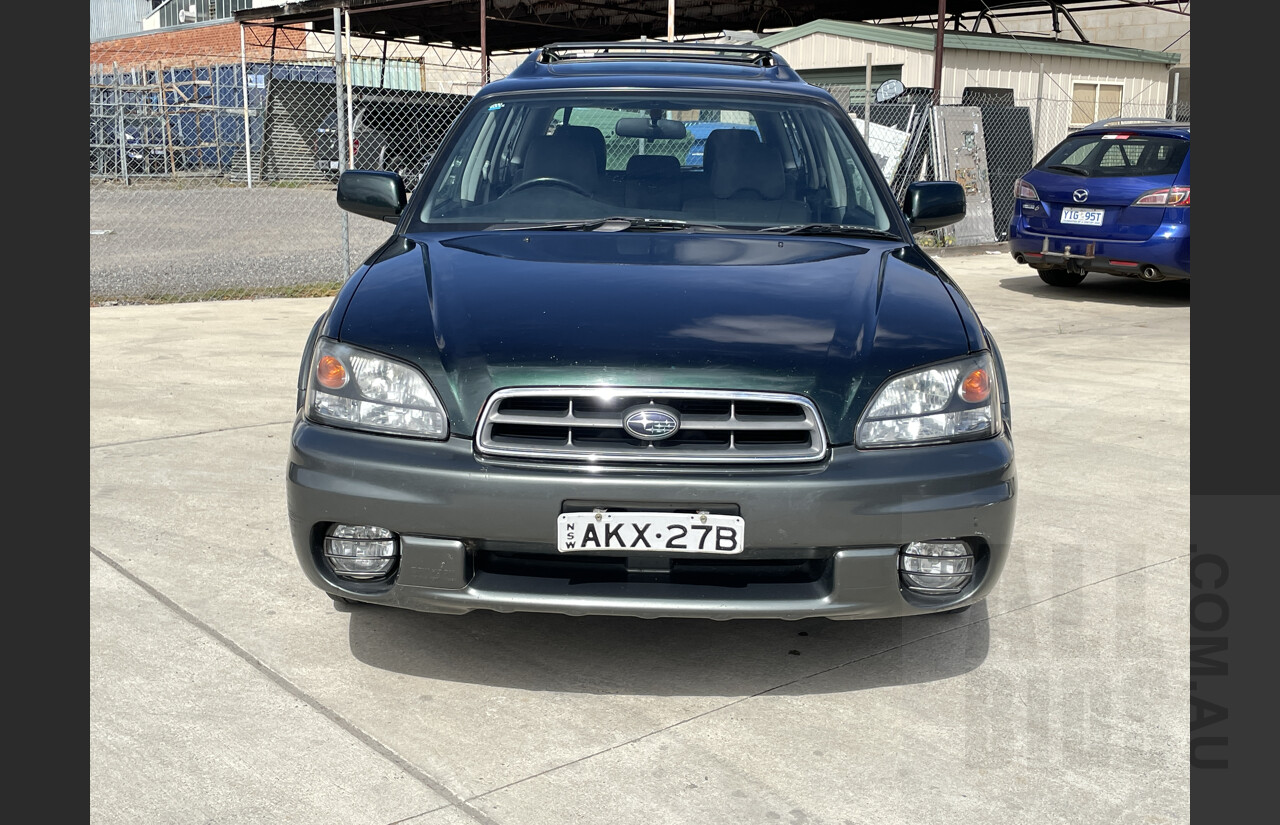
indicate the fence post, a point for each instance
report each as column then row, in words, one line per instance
column 347, row 72
column 1035, row 133
column 121, row 142
column 244, row 96
column 338, row 74
column 170, row 156
column 866, row 107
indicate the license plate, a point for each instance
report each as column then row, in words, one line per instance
column 1083, row 217
column 649, row 532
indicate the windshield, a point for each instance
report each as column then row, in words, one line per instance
column 740, row 163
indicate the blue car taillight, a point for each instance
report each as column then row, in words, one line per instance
column 1166, row 196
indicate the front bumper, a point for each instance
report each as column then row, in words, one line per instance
column 476, row 534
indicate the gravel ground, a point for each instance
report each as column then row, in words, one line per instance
column 202, row 243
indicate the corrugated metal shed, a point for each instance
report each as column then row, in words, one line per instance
column 1039, row 71
column 922, row 39
column 114, row 18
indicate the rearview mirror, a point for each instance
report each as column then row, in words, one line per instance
column 642, row 127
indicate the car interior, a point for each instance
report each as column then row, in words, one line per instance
column 530, row 161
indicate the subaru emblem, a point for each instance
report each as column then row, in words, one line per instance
column 1080, row 195
column 651, row 423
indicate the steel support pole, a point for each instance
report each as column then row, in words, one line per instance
column 937, row 52
column 484, row 47
column 1035, row 135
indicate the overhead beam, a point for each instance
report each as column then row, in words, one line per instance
column 516, row 26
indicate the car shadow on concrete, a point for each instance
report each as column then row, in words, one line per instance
column 669, row 657
column 1108, row 289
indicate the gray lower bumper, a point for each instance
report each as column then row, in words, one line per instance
column 852, row 513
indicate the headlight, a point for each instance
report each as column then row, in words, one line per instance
column 362, row 390
column 953, row 401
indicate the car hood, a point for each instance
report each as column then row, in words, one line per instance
column 824, row 317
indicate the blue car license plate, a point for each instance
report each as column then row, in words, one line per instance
column 648, row 532
column 1083, row 217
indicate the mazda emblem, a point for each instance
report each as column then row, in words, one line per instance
column 651, row 423
column 1080, row 195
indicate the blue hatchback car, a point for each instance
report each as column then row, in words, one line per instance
column 1112, row 198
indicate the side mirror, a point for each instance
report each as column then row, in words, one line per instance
column 889, row 89
column 933, row 204
column 373, row 194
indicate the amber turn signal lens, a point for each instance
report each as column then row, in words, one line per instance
column 976, row 386
column 330, row 372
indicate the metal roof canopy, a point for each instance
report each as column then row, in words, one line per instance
column 520, row 25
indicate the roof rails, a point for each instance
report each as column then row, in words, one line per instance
column 1136, row 121
column 660, row 50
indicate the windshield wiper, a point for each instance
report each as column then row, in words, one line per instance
column 673, row 224
column 1075, row 170
column 615, row 224
column 582, row 226
column 846, row 229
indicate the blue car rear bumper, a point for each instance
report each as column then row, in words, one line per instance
column 1167, row 250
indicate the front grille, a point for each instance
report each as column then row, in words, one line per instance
column 714, row 426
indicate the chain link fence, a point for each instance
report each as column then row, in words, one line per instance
column 212, row 175
column 985, row 140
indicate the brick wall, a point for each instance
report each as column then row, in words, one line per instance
column 215, row 42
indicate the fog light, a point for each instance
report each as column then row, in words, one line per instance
column 360, row 551
column 936, row 566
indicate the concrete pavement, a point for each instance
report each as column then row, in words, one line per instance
column 225, row 688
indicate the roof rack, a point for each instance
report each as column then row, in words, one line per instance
column 1136, row 121
column 659, row 50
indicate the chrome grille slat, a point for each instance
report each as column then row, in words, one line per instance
column 746, row 424
column 562, row 420
column 586, row 424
